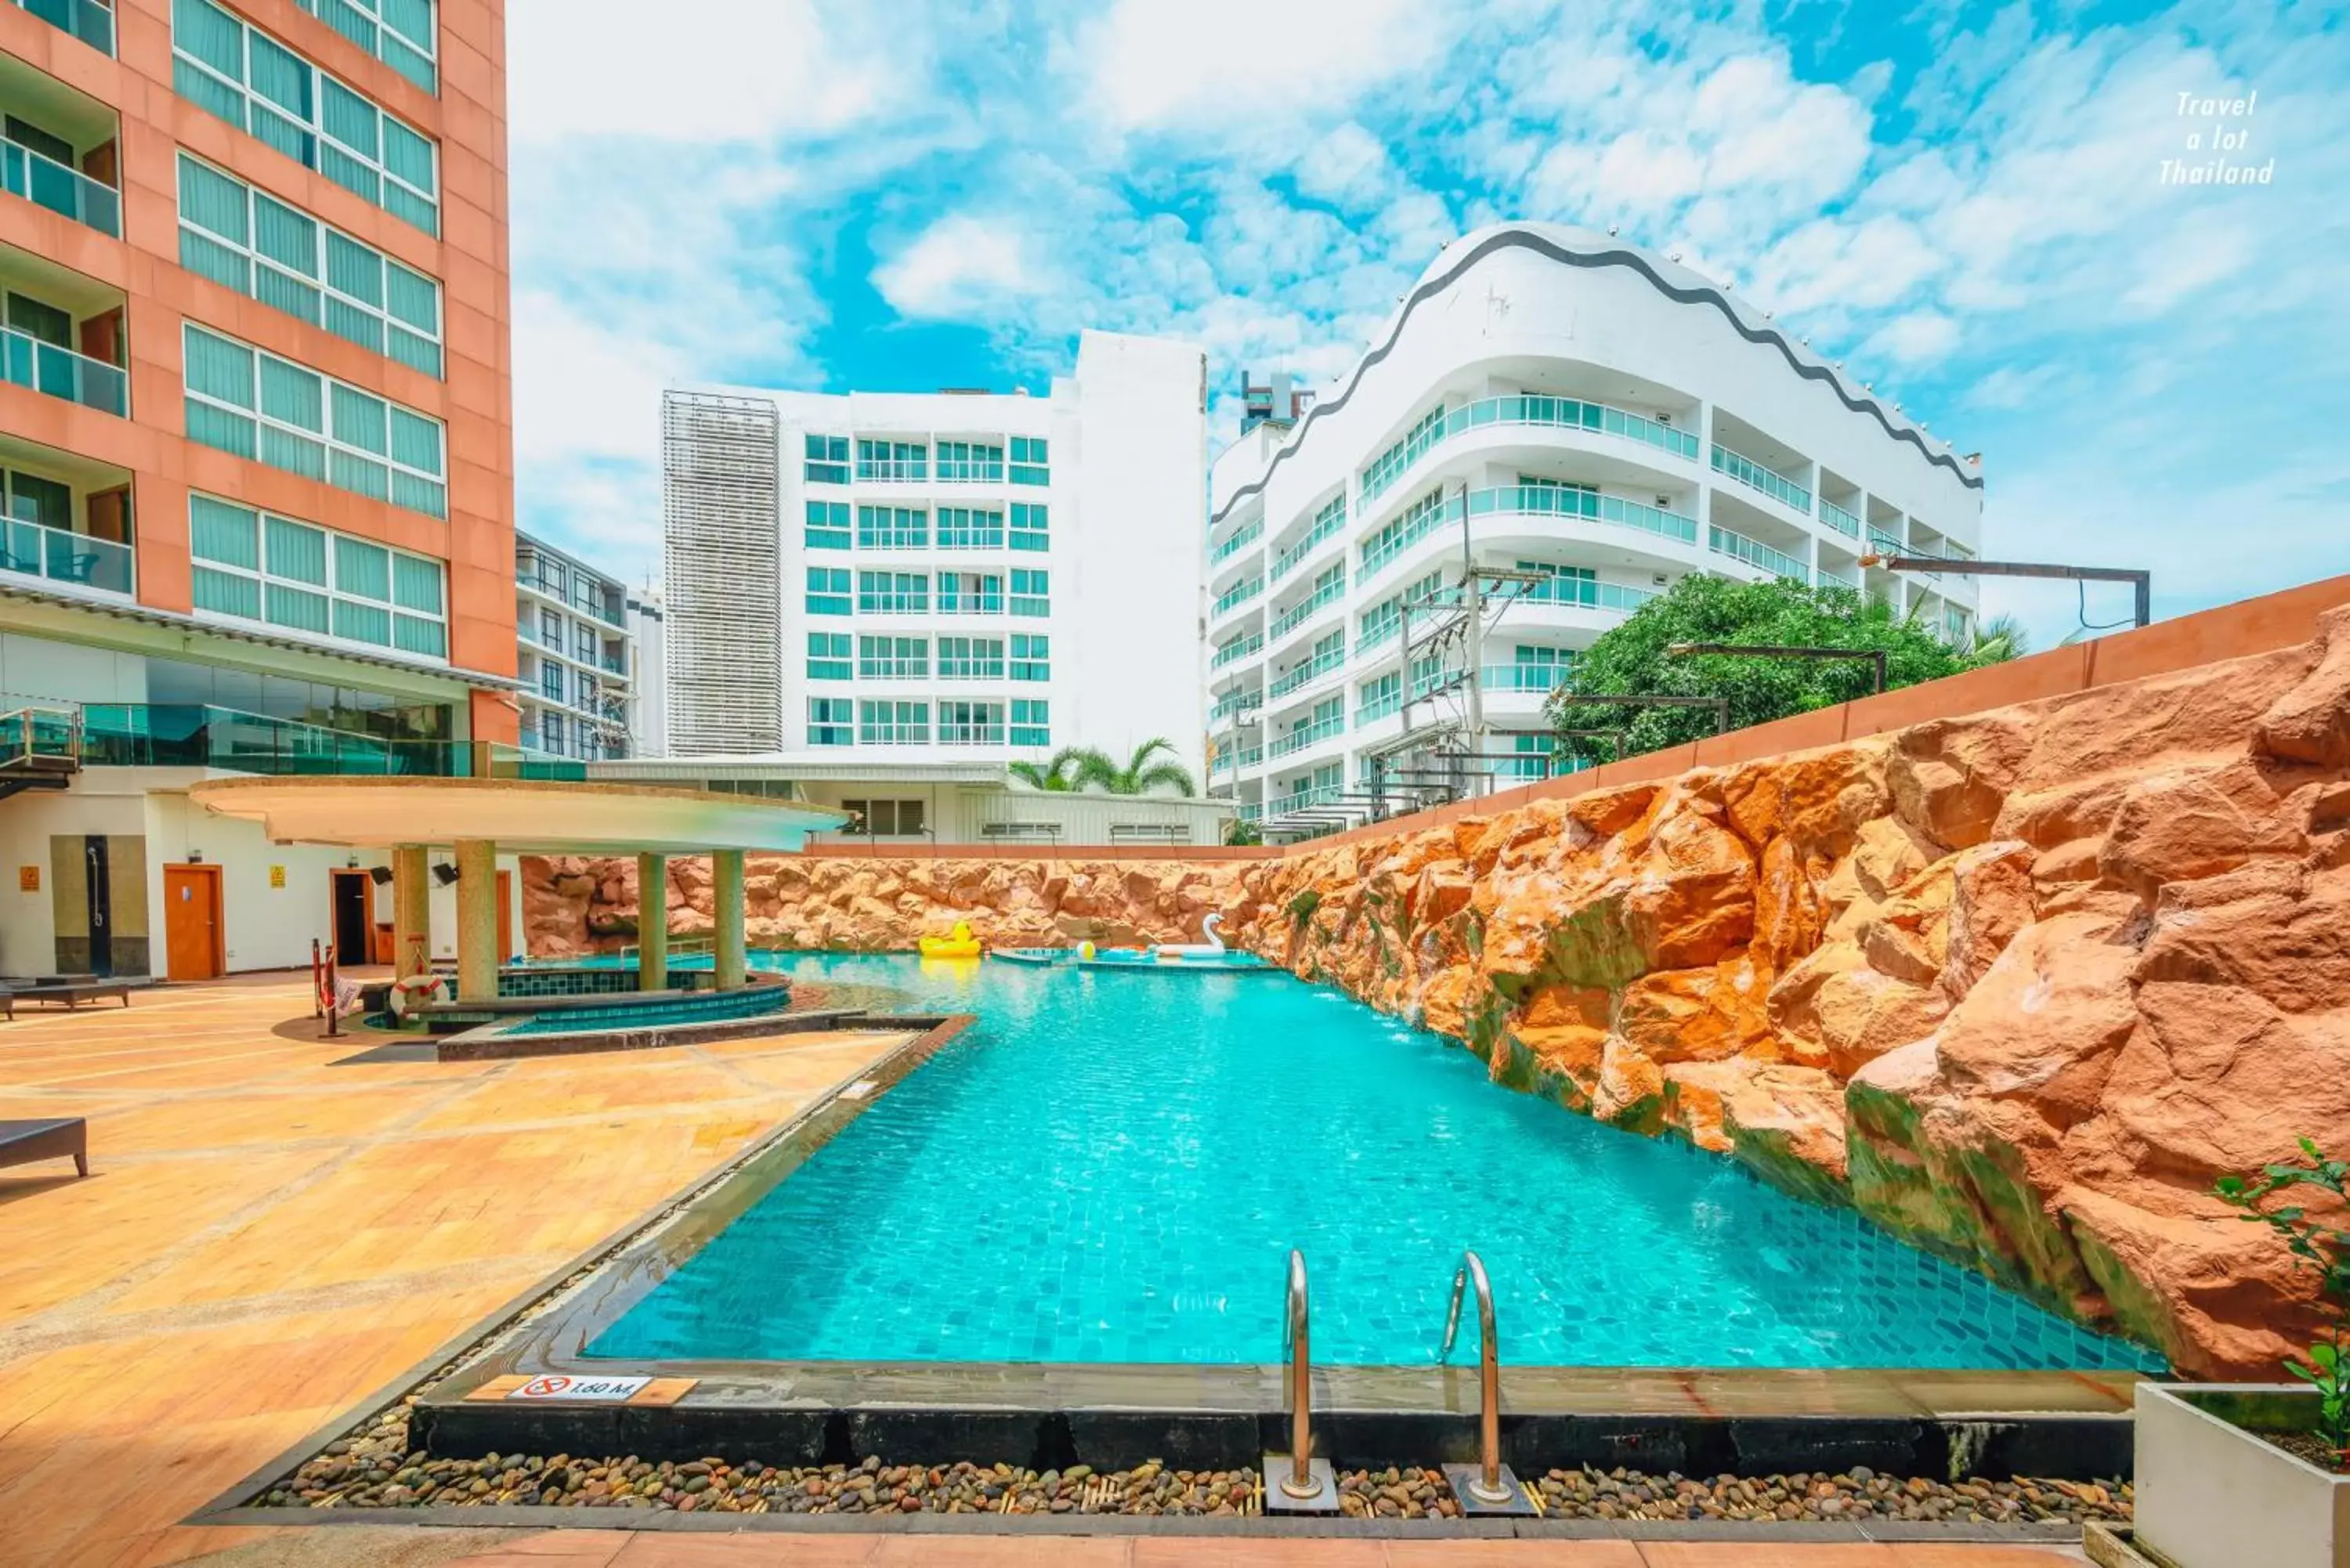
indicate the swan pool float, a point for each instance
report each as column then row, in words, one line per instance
column 1177, row 952
column 958, row 943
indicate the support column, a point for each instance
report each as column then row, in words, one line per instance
column 652, row 922
column 727, row 911
column 477, row 920
column 411, row 912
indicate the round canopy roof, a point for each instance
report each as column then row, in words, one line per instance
column 531, row 816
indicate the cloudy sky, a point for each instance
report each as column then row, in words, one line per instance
column 1962, row 200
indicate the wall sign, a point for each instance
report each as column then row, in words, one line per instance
column 553, row 1387
column 28, row 878
column 277, row 876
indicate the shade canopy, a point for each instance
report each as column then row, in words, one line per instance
column 530, row 815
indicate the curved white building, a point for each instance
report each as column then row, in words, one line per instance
column 1551, row 428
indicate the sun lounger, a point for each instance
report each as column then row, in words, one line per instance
column 70, row 990
column 67, row 1137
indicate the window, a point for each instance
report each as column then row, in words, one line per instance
column 1561, row 585
column 892, row 459
column 893, row 657
column 892, row 528
column 828, row 525
column 884, row 723
column 970, row 724
column 584, row 644
column 1031, row 656
column 970, row 658
column 550, row 729
column 1379, row 698
column 29, row 498
column 250, row 79
column 1031, row 529
column 259, row 566
column 885, row 818
column 964, row 528
column 825, row 460
column 399, row 32
column 827, row 590
column 255, row 405
column 971, row 593
column 831, row 721
column 892, row 593
column 968, row 461
column 265, row 250
column 550, row 630
column 1031, row 723
column 1388, row 466
column 1031, row 593
column 827, row 656
column 1028, row 461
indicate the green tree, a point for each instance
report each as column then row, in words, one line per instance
column 1142, row 772
column 1631, row 660
column 1064, row 774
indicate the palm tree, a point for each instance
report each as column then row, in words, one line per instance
column 2000, row 638
column 1065, row 772
column 1140, row 774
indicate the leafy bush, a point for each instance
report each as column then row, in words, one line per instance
column 2319, row 1245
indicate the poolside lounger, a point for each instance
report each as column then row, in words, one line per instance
column 71, row 990
column 67, row 1137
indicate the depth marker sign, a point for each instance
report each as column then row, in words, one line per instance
column 604, row 1389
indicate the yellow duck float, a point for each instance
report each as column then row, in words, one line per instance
column 958, row 943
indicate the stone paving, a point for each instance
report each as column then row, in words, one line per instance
column 266, row 1237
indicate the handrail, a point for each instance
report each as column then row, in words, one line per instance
column 1488, row 1486
column 1299, row 1482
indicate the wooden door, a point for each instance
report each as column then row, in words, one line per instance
column 193, row 945
column 505, row 916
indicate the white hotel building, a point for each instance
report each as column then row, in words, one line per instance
column 881, row 600
column 1566, row 424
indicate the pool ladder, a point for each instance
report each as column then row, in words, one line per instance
column 1297, row 1482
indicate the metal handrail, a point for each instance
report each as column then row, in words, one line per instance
column 1299, row 1482
column 1488, row 1486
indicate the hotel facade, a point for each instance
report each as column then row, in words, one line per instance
column 256, row 451
column 881, row 601
column 1550, row 429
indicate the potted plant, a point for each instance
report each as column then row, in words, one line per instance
column 2230, row 1475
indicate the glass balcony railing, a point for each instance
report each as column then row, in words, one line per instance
column 1831, row 577
column 1237, row 703
column 87, row 20
column 1250, row 812
column 1320, row 664
column 46, row 182
column 1584, row 592
column 1233, row 758
column 1754, row 477
column 1537, row 678
column 1557, row 413
column 1238, row 649
column 1307, row 734
column 1563, row 501
column 62, row 373
column 1239, row 593
column 1304, row 609
column 31, row 738
column 1245, row 535
column 1312, row 795
column 1754, row 553
column 1385, row 705
column 1329, row 523
column 142, row 734
column 1838, row 518
column 36, row 550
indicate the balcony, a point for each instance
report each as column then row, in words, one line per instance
column 65, row 520
column 1306, row 610
column 1754, row 553
column 1329, row 522
column 1585, row 593
column 87, row 20
column 1539, row 679
column 1232, row 759
column 1240, row 647
column 61, row 373
column 1236, row 703
column 1246, row 535
column 1528, row 411
column 1754, row 477
column 1566, row 501
column 54, row 555
column 57, row 146
column 1238, row 594
column 1320, row 664
column 1838, row 518
column 1305, row 735
column 172, row 735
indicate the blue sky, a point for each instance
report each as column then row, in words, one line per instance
column 1962, row 201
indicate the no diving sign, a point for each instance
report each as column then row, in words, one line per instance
column 608, row 1390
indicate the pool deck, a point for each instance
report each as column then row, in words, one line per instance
column 266, row 1238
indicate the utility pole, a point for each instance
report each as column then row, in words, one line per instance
column 1473, row 587
column 2143, row 582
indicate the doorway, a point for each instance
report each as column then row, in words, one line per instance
column 192, row 946
column 354, row 925
column 98, row 875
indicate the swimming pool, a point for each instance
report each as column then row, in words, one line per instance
column 1112, row 1167
column 700, row 1007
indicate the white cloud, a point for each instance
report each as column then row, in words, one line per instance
column 960, row 266
column 1238, row 70
column 1348, row 168
column 1919, row 336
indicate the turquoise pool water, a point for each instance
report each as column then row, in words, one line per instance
column 1112, row 1166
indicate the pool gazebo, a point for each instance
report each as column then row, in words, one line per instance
column 477, row 817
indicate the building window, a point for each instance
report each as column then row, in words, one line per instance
column 892, row 528
column 1029, row 465
column 828, row 525
column 970, row 658
column 260, row 567
column 894, row 461
column 550, row 680
column 881, row 721
column 1031, row 529
column 825, row 460
column 1031, row 656
column 827, row 656
column 253, row 81
column 29, row 498
column 969, row 462
column 1031, row 593
column 964, row 528
column 970, row 724
column 831, row 721
column 892, row 593
column 971, row 593
column 550, row 630
column 885, row 818
column 893, row 657
column 584, row 644
column 265, row 250
column 399, row 32
column 255, row 405
column 550, row 729
column 1031, row 722
column 827, row 590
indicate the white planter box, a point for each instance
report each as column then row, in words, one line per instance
column 2211, row 1494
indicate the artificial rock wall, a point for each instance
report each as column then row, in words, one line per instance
column 2018, row 985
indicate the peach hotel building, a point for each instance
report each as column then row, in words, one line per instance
column 256, row 453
